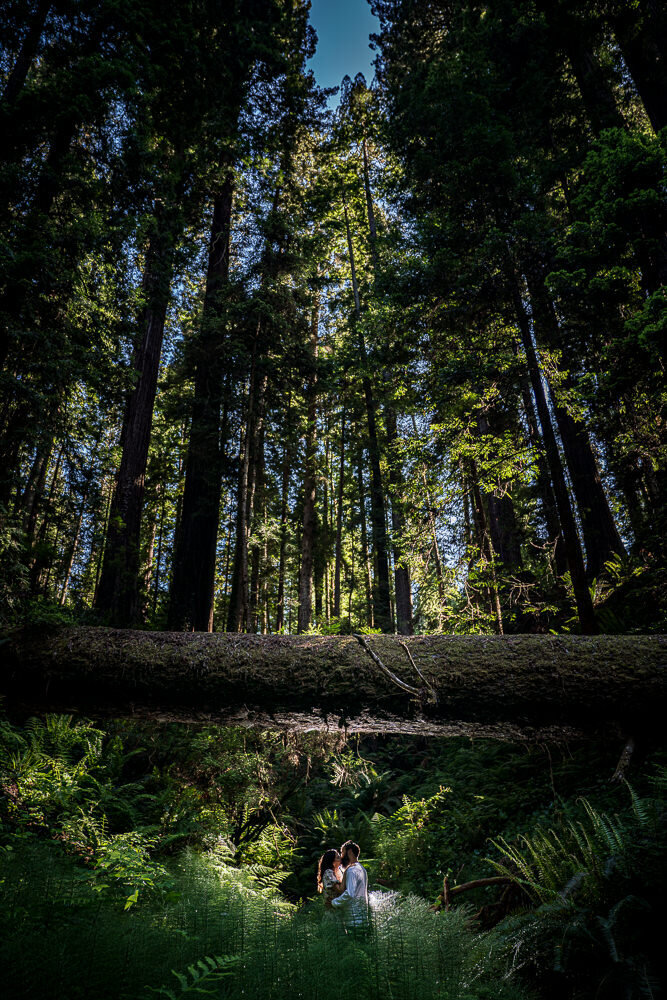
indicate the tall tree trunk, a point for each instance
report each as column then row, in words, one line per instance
column 598, row 97
column 542, row 479
column 237, row 619
column 34, row 489
column 641, row 31
column 370, row 212
column 118, row 591
column 573, row 551
column 485, row 548
column 193, row 580
column 365, row 555
column 402, row 587
column 158, row 558
column 601, row 537
column 21, row 67
column 338, row 547
column 284, row 491
column 305, row 612
column 503, row 530
column 238, row 597
column 381, row 600
column 74, row 546
column 39, row 559
column 256, row 505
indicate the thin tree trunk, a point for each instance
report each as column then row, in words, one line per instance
column 305, row 612
column 256, row 503
column 542, row 480
column 601, row 537
column 338, row 549
column 238, row 598
column 365, row 556
column 503, row 530
column 158, row 560
column 434, row 533
column 73, row 548
column 34, row 489
column 286, row 470
column 38, row 560
column 402, row 587
column 485, row 548
column 381, row 600
column 237, row 619
column 573, row 551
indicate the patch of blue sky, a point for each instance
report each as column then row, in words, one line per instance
column 343, row 49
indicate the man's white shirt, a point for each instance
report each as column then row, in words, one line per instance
column 354, row 899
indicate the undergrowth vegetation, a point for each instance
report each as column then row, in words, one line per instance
column 138, row 860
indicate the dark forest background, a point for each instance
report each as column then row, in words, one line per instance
column 267, row 367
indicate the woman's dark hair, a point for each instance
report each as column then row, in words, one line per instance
column 326, row 861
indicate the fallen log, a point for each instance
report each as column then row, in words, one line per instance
column 521, row 683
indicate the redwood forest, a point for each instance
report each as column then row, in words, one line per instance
column 333, row 458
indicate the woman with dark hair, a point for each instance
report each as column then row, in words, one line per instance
column 329, row 878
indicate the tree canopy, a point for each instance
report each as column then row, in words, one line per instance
column 396, row 367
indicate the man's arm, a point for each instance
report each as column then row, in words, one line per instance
column 351, row 879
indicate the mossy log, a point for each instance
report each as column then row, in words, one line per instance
column 380, row 683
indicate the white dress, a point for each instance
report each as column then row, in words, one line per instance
column 329, row 884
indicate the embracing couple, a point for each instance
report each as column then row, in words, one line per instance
column 343, row 882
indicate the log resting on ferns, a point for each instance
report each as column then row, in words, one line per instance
column 421, row 684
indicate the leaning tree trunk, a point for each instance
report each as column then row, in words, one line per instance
column 27, row 53
column 574, row 555
column 419, row 684
column 601, row 537
column 642, row 39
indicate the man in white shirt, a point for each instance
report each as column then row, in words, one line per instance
column 353, row 901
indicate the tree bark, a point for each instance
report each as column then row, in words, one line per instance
column 381, row 599
column 365, row 555
column 284, row 493
column 526, row 682
column 193, row 580
column 404, row 623
column 305, row 612
column 485, row 548
column 118, row 592
column 20, row 69
column 640, row 29
column 601, row 537
column 572, row 545
column 338, row 547
column 542, row 480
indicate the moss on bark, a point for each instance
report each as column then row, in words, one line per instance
column 528, row 681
